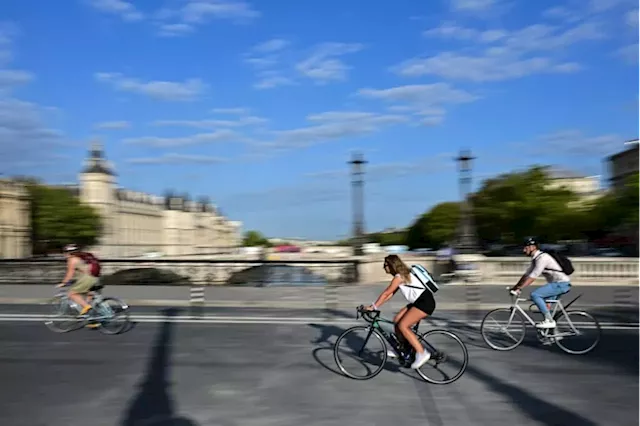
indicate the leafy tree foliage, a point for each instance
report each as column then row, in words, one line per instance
column 435, row 228
column 255, row 239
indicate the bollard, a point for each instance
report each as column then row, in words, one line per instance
column 196, row 301
column 330, row 300
column 473, row 296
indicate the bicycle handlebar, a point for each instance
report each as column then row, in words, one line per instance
column 369, row 316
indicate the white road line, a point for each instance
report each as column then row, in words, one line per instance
column 283, row 320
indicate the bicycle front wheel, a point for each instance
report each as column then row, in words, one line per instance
column 360, row 348
column 63, row 317
column 449, row 357
column 113, row 315
column 503, row 329
column 577, row 332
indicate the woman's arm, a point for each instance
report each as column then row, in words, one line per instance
column 387, row 293
column 70, row 271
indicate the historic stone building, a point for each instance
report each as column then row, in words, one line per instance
column 15, row 226
column 136, row 223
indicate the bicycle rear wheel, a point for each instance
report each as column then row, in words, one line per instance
column 63, row 317
column 368, row 347
column 449, row 357
column 113, row 315
column 577, row 332
column 503, row 329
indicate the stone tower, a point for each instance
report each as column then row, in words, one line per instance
column 97, row 189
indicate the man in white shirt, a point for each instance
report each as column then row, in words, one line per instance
column 558, row 282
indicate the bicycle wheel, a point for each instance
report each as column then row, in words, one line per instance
column 577, row 332
column 113, row 315
column 356, row 344
column 505, row 323
column 448, row 353
column 63, row 317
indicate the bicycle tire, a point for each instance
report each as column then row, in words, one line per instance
column 59, row 304
column 590, row 348
column 372, row 332
column 433, row 361
column 124, row 310
column 521, row 321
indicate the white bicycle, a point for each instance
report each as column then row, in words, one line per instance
column 572, row 327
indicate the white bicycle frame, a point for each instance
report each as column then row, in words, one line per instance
column 557, row 304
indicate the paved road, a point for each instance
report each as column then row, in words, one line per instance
column 347, row 297
column 165, row 373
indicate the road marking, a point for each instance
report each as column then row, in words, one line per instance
column 214, row 319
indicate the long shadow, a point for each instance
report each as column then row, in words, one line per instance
column 536, row 408
column 153, row 405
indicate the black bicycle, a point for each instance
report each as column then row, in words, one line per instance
column 445, row 347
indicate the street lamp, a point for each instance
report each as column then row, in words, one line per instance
column 466, row 239
column 357, row 185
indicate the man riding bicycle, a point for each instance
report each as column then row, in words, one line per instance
column 81, row 264
column 558, row 282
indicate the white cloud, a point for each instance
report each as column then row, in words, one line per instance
column 164, row 90
column 631, row 18
column 323, row 64
column 245, row 121
column 234, row 111
column 176, row 159
column 425, row 100
column 333, row 125
column 197, row 139
column 113, row 125
column 10, row 78
column 175, row 30
column 124, row 9
column 473, row 5
column 628, row 53
column 573, row 142
column 512, row 56
column 199, row 11
column 267, row 59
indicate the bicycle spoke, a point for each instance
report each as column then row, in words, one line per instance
column 448, row 362
column 509, row 330
column 360, row 357
column 576, row 332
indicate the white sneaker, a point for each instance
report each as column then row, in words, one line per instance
column 421, row 359
column 547, row 323
column 391, row 353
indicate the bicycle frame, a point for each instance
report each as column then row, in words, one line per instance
column 96, row 300
column 557, row 305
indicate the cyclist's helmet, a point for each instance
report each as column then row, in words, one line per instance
column 70, row 248
column 530, row 241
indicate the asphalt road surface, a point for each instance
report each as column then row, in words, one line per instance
column 165, row 373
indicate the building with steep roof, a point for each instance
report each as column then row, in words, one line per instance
column 136, row 223
column 623, row 164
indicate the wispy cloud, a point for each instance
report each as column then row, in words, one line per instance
column 234, row 111
column 197, row 139
column 123, row 9
column 509, row 54
column 184, row 20
column 572, row 142
column 113, row 125
column 245, row 121
column 174, row 158
column 188, row 90
column 631, row 18
column 628, row 53
column 424, row 100
column 324, row 65
column 267, row 59
column 10, row 78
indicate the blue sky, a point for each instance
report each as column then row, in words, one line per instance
column 260, row 104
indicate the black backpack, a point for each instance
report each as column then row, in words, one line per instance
column 563, row 261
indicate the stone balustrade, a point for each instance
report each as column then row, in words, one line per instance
column 349, row 271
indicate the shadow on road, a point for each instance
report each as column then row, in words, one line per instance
column 153, row 405
column 535, row 408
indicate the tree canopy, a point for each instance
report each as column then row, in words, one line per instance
column 436, row 227
column 255, row 239
column 58, row 218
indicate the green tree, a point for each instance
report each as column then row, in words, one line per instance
column 434, row 228
column 58, row 218
column 254, row 239
column 511, row 206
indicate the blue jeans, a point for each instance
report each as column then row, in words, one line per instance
column 548, row 291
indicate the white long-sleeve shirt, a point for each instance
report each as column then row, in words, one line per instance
column 543, row 263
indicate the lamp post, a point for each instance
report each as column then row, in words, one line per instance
column 466, row 239
column 357, row 192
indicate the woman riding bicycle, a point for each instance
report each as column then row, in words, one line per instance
column 421, row 308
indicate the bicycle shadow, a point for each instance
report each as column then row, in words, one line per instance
column 153, row 405
column 329, row 331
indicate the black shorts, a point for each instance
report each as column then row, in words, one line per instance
column 426, row 303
